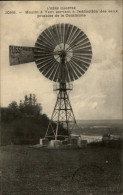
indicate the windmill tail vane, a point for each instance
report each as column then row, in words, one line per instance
column 20, row 55
column 62, row 54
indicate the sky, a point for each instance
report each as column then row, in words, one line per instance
column 97, row 95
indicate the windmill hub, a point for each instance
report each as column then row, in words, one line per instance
column 63, row 56
column 63, row 53
column 60, row 49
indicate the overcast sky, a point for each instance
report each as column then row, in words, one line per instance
column 97, row 94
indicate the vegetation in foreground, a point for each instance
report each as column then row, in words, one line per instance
column 35, row 171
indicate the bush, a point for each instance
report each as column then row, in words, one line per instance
column 26, row 130
column 110, row 143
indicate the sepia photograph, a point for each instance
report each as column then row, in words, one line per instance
column 61, row 97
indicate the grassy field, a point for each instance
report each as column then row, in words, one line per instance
column 39, row 171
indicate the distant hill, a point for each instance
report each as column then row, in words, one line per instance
column 110, row 123
column 100, row 127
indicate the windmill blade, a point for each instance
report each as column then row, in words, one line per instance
column 20, row 55
column 63, row 39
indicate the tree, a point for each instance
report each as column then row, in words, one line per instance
column 13, row 105
column 29, row 106
column 13, row 110
column 34, row 99
column 21, row 107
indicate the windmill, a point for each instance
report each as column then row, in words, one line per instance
column 62, row 54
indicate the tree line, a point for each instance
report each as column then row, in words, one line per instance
column 26, row 108
column 23, row 123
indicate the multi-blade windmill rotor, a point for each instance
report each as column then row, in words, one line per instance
column 62, row 54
